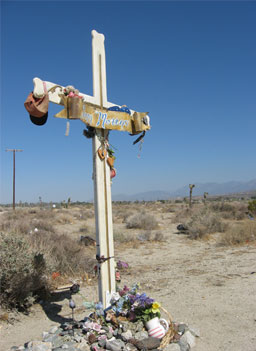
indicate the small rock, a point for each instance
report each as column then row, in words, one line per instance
column 58, row 342
column 40, row 346
column 182, row 328
column 110, row 335
column 78, row 338
column 172, row 347
column 125, row 326
column 115, row 345
column 50, row 338
column 184, row 346
column 189, row 338
column 137, row 343
column 14, row 348
column 130, row 347
column 53, row 330
column 102, row 342
column 126, row 335
column 44, row 334
column 83, row 346
column 66, row 332
column 141, row 335
column 139, row 326
column 151, row 343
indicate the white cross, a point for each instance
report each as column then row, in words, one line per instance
column 101, row 171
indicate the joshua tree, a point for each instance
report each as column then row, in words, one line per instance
column 191, row 186
column 205, row 196
column 40, row 201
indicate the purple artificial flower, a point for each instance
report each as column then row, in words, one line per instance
column 122, row 264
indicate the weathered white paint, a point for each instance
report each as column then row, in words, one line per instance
column 101, row 171
column 101, row 176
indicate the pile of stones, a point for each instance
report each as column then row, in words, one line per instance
column 88, row 335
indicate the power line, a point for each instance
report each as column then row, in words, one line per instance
column 13, row 191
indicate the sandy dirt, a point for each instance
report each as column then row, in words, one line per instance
column 211, row 288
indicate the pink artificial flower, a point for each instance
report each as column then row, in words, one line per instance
column 96, row 327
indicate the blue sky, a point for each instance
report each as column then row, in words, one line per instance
column 190, row 64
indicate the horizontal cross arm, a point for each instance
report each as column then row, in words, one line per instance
column 56, row 99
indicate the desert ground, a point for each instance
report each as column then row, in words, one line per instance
column 204, row 277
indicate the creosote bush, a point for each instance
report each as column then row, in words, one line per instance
column 20, row 272
column 141, row 220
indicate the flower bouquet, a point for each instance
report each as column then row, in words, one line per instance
column 135, row 306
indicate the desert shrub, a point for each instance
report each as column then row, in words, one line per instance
column 44, row 214
column 28, row 257
column 204, row 222
column 252, row 207
column 121, row 238
column 63, row 218
column 62, row 253
column 121, row 214
column 141, row 220
column 168, row 209
column 235, row 210
column 159, row 236
column 22, row 271
column 183, row 214
column 23, row 221
column 239, row 233
column 149, row 236
column 43, row 226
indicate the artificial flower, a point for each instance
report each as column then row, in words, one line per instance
column 155, row 307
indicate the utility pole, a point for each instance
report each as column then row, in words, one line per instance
column 13, row 189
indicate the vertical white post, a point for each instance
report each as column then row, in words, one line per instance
column 101, row 177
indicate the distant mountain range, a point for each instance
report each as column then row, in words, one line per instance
column 199, row 189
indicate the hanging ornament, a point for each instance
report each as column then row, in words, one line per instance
column 102, row 153
column 67, row 129
column 112, row 173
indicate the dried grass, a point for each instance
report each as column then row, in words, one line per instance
column 151, row 237
column 141, row 220
column 203, row 222
column 230, row 210
column 239, row 233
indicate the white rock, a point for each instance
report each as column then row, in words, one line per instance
column 189, row 338
column 172, row 347
column 44, row 335
column 53, row 330
column 41, row 346
column 194, row 331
